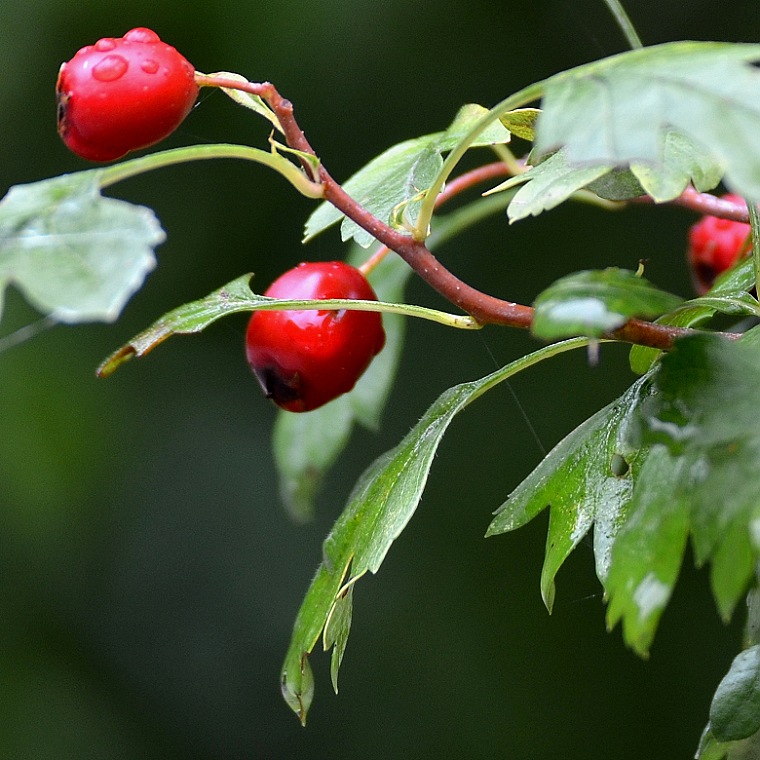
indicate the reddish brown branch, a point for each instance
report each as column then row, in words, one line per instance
column 485, row 308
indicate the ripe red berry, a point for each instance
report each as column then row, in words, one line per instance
column 715, row 245
column 123, row 94
column 303, row 359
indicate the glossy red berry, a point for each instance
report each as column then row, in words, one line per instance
column 123, row 94
column 303, row 359
column 715, row 245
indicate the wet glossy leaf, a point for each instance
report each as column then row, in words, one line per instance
column 587, row 479
column 381, row 504
column 593, row 303
column 703, row 412
column 648, row 552
column 735, row 709
column 73, row 253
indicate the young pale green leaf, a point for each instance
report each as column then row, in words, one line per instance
column 735, row 708
column 593, row 303
column 245, row 99
column 703, row 412
column 74, row 254
column 521, row 122
column 587, row 479
column 619, row 111
column 381, row 504
column 307, row 445
column 398, row 177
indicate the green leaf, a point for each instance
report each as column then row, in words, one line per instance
column 189, row 318
column 594, row 303
column 381, row 504
column 735, row 708
column 703, row 412
column 619, row 111
column 728, row 296
column 648, row 552
column 307, row 445
column 587, row 479
column 236, row 297
column 521, row 122
column 683, row 162
column 398, row 177
column 548, row 184
column 74, row 254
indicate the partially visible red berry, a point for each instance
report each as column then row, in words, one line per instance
column 303, row 359
column 715, row 245
column 123, row 94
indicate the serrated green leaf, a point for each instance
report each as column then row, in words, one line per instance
column 73, row 253
column 618, row 111
column 703, row 412
column 399, row 175
column 648, row 552
column 594, row 303
column 586, row 479
column 735, row 708
column 381, row 504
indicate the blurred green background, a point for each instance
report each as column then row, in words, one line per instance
column 149, row 577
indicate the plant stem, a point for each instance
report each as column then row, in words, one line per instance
column 624, row 22
column 484, row 308
column 132, row 168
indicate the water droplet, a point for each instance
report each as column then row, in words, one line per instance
column 109, row 69
column 149, row 66
column 141, row 34
column 104, row 45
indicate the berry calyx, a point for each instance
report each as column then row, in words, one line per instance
column 123, row 94
column 715, row 245
column 303, row 359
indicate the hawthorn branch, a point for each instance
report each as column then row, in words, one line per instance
column 484, row 308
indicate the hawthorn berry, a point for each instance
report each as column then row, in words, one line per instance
column 123, row 94
column 715, row 245
column 303, row 359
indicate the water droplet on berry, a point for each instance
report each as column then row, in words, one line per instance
column 149, row 66
column 141, row 34
column 105, row 45
column 110, row 68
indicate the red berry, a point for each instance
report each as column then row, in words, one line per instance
column 303, row 359
column 715, row 245
column 123, row 94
